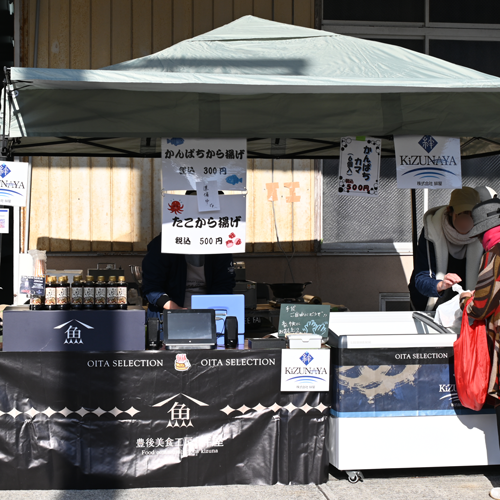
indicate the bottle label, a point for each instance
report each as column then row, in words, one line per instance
column 122, row 295
column 50, row 296
column 88, row 295
column 36, row 300
column 76, row 295
column 100, row 295
column 112, row 295
column 62, row 295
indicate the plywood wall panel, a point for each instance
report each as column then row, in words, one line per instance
column 80, row 30
column 263, row 9
column 223, row 12
column 121, row 31
column 264, row 234
column 59, row 34
column 101, row 33
column 141, row 28
column 282, row 216
column 303, row 13
column 250, row 200
column 28, row 20
column 142, row 202
column 242, row 8
column 182, row 20
column 157, row 198
column 162, row 24
column 43, row 36
column 303, row 210
column 203, row 16
column 100, row 210
column 121, row 213
column 80, row 202
column 39, row 236
column 283, row 11
column 59, row 204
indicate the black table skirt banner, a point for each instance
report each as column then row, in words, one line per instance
column 156, row 418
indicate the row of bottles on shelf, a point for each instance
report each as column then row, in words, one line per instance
column 82, row 294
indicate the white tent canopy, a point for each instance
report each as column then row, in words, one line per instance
column 291, row 91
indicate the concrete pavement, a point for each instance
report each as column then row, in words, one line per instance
column 467, row 483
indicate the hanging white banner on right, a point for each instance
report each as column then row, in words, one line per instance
column 428, row 161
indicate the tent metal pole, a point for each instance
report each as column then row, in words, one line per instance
column 414, row 224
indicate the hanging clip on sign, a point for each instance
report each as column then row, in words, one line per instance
column 188, row 161
column 359, row 166
column 13, row 183
column 431, row 162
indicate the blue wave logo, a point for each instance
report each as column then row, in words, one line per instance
column 429, row 172
column 9, row 193
column 307, row 379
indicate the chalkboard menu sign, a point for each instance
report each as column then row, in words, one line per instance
column 304, row 318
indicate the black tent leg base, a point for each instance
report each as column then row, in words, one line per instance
column 354, row 476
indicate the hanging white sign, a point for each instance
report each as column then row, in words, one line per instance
column 359, row 166
column 188, row 161
column 13, row 183
column 187, row 230
column 305, row 370
column 428, row 161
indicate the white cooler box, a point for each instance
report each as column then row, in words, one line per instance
column 394, row 402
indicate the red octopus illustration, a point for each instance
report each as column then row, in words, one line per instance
column 175, row 207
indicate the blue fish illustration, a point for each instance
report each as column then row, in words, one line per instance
column 176, row 141
column 234, row 179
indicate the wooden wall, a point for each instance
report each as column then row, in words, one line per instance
column 103, row 205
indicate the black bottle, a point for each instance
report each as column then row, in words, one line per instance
column 89, row 293
column 50, row 293
column 77, row 293
column 122, row 292
column 62, row 293
column 100, row 293
column 112, row 294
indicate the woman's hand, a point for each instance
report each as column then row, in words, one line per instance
column 465, row 295
column 172, row 305
column 448, row 281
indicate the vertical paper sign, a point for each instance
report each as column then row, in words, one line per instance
column 431, row 162
column 208, row 196
column 304, row 318
column 4, row 220
column 13, row 183
column 186, row 230
column 188, row 161
column 359, row 166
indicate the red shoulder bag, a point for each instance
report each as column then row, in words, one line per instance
column 472, row 363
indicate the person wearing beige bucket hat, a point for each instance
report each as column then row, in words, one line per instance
column 445, row 253
column 486, row 296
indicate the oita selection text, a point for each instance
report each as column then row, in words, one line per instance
column 88, row 294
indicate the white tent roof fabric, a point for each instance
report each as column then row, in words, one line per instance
column 255, row 78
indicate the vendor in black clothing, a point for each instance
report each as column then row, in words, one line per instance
column 445, row 253
column 169, row 280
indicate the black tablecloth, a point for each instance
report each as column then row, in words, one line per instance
column 144, row 419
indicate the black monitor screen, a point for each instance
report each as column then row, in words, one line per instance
column 193, row 325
